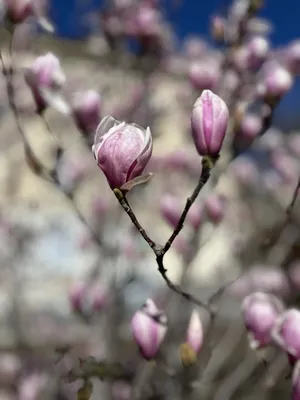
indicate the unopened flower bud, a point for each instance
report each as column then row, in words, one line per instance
column 100, row 206
column 18, row 11
column 203, row 75
column 87, row 111
column 258, row 48
column 245, row 171
column 184, row 161
column 149, row 326
column 277, row 82
column 45, row 79
column 249, row 129
column 251, row 126
column 215, row 206
column 182, row 246
column 171, row 210
column 70, row 173
column 121, row 150
column 86, row 300
column 260, row 312
column 194, row 334
column 209, row 123
column 286, row 332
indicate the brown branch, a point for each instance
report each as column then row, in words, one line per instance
column 160, row 251
column 126, row 207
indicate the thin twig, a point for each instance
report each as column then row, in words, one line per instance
column 207, row 164
column 160, row 251
column 126, row 207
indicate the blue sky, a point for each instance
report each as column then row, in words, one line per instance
column 193, row 16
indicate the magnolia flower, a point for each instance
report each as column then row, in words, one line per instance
column 122, row 151
column 171, row 209
column 149, row 326
column 18, row 10
column 87, row 111
column 260, row 312
column 45, row 79
column 209, row 123
column 286, row 332
column 194, row 334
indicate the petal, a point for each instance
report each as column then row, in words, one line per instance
column 117, row 153
column 104, row 127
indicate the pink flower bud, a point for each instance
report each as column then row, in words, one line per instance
column 209, row 123
column 100, row 206
column 98, row 297
column 260, row 311
column 195, row 216
column 18, row 10
column 182, row 246
column 45, row 78
column 87, row 111
column 122, row 150
column 258, row 48
column 215, row 206
column 183, row 160
column 171, row 209
column 296, row 382
column 286, row 332
column 194, row 335
column 88, row 299
column 277, row 80
column 240, row 58
column 251, row 126
column 203, row 75
column 245, row 171
column 71, row 172
column 149, row 326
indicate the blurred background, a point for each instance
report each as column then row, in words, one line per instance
column 76, row 20
column 84, row 306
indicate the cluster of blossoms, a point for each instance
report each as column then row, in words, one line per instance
column 269, row 324
column 230, row 95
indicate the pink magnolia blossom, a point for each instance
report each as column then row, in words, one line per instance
column 286, row 332
column 260, row 312
column 209, row 123
column 194, row 334
column 45, row 79
column 121, row 150
column 87, row 111
column 149, row 326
